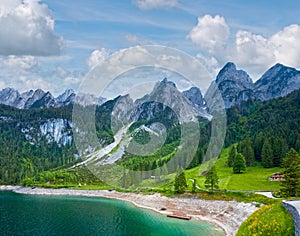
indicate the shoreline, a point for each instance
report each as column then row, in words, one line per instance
column 225, row 215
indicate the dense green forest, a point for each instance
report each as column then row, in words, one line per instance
column 264, row 131
column 20, row 159
column 269, row 128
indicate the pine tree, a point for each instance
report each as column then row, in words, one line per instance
column 231, row 156
column 291, row 173
column 277, row 151
column 258, row 143
column 180, row 182
column 267, row 155
column 239, row 164
column 247, row 151
column 211, row 179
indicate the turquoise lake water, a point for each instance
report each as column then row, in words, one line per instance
column 66, row 215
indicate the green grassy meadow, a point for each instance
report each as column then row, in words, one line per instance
column 254, row 179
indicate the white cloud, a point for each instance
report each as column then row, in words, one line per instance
column 27, row 28
column 28, row 72
column 27, row 83
column 210, row 34
column 97, row 56
column 252, row 49
column 154, row 4
column 139, row 62
column 286, row 45
column 257, row 51
column 20, row 63
column 253, row 52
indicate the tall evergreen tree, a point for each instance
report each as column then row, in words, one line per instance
column 291, row 173
column 239, row 164
column 247, row 151
column 180, row 182
column 277, row 151
column 258, row 143
column 231, row 155
column 267, row 154
column 211, row 179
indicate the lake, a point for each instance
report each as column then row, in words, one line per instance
column 67, row 215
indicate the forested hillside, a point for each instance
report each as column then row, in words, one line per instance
column 273, row 125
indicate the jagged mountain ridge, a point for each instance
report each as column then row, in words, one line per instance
column 164, row 99
column 41, row 99
column 236, row 85
column 278, row 81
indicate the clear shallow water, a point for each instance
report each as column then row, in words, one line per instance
column 64, row 215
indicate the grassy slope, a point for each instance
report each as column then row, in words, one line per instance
column 255, row 178
column 271, row 220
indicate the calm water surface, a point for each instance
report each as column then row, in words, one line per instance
column 65, row 215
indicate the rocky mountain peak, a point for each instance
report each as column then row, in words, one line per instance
column 195, row 96
column 9, row 96
column 66, row 98
column 234, row 85
column 230, row 73
column 165, row 81
column 65, row 95
column 278, row 81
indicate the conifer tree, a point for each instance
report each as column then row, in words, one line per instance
column 291, row 173
column 211, row 179
column 267, row 155
column 247, row 151
column 180, row 182
column 258, row 143
column 277, row 145
column 239, row 164
column 231, row 156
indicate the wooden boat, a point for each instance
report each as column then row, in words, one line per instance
column 179, row 216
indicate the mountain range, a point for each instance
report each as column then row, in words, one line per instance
column 234, row 85
column 41, row 99
column 46, row 137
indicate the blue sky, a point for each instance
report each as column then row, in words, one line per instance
column 78, row 34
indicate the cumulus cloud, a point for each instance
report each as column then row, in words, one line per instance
column 154, row 4
column 27, row 28
column 210, row 34
column 97, row 56
column 27, row 83
column 253, row 52
column 252, row 48
column 133, row 64
column 20, row 63
column 286, row 45
column 28, row 72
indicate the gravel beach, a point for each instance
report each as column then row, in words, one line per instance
column 228, row 215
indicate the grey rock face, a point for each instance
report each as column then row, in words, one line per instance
column 234, row 85
column 42, row 99
column 10, row 97
column 53, row 130
column 195, row 96
column 278, row 81
column 165, row 94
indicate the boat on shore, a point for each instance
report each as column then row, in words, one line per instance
column 179, row 216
